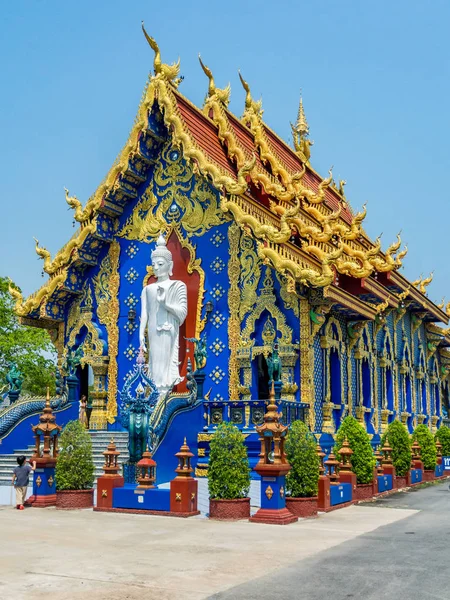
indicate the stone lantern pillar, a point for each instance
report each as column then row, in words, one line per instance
column 184, row 488
column 416, row 461
column 332, row 466
column 272, row 468
column 346, row 475
column 110, row 479
column 147, row 472
column 323, row 495
column 388, row 467
column 46, row 434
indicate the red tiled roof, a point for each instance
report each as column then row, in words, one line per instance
column 204, row 132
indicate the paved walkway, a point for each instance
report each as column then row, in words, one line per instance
column 81, row 554
column 405, row 560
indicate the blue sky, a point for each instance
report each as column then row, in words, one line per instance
column 375, row 80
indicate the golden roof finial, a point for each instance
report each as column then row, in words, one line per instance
column 16, row 294
column 250, row 104
column 43, row 253
column 417, row 282
column 47, row 400
column 154, row 46
column 168, row 72
column 425, row 283
column 301, row 126
column 223, row 95
column 442, row 303
column 207, row 71
column 300, row 133
column 447, row 309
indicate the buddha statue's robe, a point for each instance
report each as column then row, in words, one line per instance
column 163, row 320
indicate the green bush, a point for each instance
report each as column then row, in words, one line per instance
column 302, row 479
column 427, row 446
column 398, row 439
column 75, row 467
column 443, row 435
column 363, row 460
column 228, row 470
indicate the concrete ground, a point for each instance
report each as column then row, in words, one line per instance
column 404, row 560
column 81, row 554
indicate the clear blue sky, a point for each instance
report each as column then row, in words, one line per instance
column 375, row 78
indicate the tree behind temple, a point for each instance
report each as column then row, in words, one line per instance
column 29, row 347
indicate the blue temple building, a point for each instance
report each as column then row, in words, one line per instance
column 277, row 266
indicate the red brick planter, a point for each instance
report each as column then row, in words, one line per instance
column 363, row 491
column 400, row 482
column 302, row 507
column 230, row 510
column 73, row 499
column 428, row 475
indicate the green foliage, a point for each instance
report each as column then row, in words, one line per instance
column 302, row 479
column 443, row 435
column 75, row 467
column 29, row 347
column 228, row 470
column 363, row 460
column 398, row 439
column 427, row 446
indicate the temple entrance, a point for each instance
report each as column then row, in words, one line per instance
column 86, row 378
column 367, row 395
column 390, row 392
column 336, row 386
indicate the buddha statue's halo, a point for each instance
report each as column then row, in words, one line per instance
column 161, row 250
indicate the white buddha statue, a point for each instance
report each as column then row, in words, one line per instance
column 163, row 311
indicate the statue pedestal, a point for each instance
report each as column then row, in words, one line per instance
column 324, row 500
column 44, row 483
column 13, row 396
column 200, row 377
column 105, row 486
column 183, row 496
column 273, row 497
column 72, row 384
column 277, row 388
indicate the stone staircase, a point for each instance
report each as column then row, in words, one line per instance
column 100, row 441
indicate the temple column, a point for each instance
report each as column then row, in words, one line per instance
column 99, row 397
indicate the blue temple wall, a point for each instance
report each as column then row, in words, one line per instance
column 21, row 435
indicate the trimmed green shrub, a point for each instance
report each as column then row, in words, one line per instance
column 427, row 446
column 398, row 439
column 228, row 470
column 302, row 480
column 363, row 460
column 75, row 467
column 443, row 435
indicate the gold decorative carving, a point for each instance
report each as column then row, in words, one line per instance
column 306, row 363
column 107, row 285
column 269, row 492
column 249, row 276
column 176, row 187
column 234, row 296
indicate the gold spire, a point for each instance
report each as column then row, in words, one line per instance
column 300, row 135
column 301, row 127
